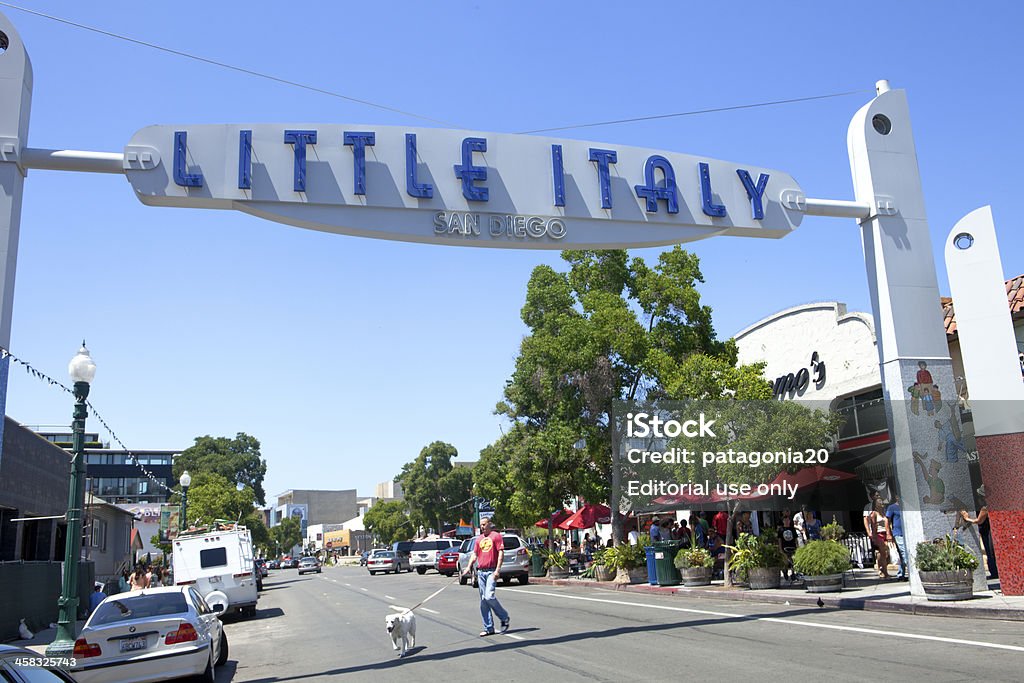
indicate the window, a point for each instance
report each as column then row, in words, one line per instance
column 864, row 413
column 99, row 534
column 138, row 607
column 213, row 557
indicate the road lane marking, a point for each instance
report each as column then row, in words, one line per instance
column 364, row 590
column 390, row 597
column 399, row 609
column 427, row 609
column 348, row 584
column 791, row 622
column 512, row 635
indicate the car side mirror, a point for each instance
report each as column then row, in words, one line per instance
column 218, row 608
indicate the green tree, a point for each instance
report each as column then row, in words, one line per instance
column 287, row 534
column 608, row 329
column 388, row 522
column 238, row 460
column 211, row 496
column 435, row 490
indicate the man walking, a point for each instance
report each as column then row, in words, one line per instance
column 488, row 553
column 895, row 515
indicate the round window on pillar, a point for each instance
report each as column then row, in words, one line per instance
column 882, row 124
column 5, row 42
column 964, row 240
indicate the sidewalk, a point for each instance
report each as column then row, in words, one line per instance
column 862, row 591
column 43, row 638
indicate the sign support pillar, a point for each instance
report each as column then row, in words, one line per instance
column 16, row 95
column 917, row 373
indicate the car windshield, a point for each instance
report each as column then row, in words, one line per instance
column 385, row 553
column 308, row 560
column 139, row 607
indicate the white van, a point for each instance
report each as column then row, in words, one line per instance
column 220, row 565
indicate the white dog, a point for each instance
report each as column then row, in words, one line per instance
column 402, row 628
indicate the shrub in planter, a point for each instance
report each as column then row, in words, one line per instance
column 822, row 563
column 755, row 552
column 833, row 531
column 819, row 558
column 627, row 561
column 945, row 569
column 695, row 565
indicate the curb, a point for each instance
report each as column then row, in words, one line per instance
column 830, row 600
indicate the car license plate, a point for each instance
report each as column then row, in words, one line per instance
column 136, row 643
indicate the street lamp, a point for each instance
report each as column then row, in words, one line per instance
column 185, row 480
column 82, row 369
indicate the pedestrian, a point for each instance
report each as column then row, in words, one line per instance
column 985, row 530
column 488, row 553
column 633, row 537
column 812, row 526
column 700, row 533
column 96, row 597
column 801, row 530
column 881, row 534
column 895, row 516
column 123, row 586
column 743, row 524
column 787, row 544
column 721, row 523
column 655, row 530
column 139, row 579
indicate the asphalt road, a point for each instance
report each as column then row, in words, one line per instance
column 320, row 626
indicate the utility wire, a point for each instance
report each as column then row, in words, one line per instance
column 239, row 69
column 696, row 111
column 394, row 110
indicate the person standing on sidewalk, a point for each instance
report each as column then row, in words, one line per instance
column 895, row 515
column 488, row 553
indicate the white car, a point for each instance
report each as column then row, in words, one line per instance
column 150, row 635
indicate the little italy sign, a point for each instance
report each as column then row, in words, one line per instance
column 457, row 187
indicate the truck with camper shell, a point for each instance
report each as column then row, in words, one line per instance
column 219, row 562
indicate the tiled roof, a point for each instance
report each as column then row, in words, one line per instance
column 1014, row 298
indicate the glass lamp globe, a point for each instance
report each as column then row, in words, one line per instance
column 185, row 480
column 82, row 368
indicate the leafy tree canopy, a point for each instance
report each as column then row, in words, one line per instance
column 238, row 460
column 388, row 522
column 286, row 535
column 435, row 490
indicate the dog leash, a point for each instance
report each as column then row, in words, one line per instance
column 429, row 597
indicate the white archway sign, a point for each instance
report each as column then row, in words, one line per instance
column 470, row 188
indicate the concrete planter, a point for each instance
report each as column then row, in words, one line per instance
column 825, row 583
column 634, row 575
column 948, row 585
column 696, row 576
column 763, row 578
column 603, row 573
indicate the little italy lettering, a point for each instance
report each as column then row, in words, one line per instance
column 457, row 187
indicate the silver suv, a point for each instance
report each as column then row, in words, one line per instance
column 516, row 563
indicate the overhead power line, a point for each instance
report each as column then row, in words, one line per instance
column 356, row 100
column 239, row 69
column 697, row 111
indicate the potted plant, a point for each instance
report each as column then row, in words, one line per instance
column 758, row 560
column 601, row 570
column 695, row 564
column 628, row 562
column 945, row 567
column 833, row 531
column 822, row 564
column 557, row 564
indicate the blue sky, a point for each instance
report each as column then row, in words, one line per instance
column 345, row 356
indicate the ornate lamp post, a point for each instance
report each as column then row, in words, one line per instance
column 82, row 370
column 185, row 480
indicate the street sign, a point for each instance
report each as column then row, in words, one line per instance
column 457, row 187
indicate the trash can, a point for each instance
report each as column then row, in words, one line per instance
column 537, row 564
column 652, row 572
column 664, row 563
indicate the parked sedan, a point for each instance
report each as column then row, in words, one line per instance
column 20, row 665
column 309, row 564
column 388, row 561
column 150, row 635
column 448, row 562
column 274, row 564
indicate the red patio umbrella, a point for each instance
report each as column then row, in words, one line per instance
column 812, row 476
column 558, row 518
column 587, row 516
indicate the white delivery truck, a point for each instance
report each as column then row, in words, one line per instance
column 220, row 565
